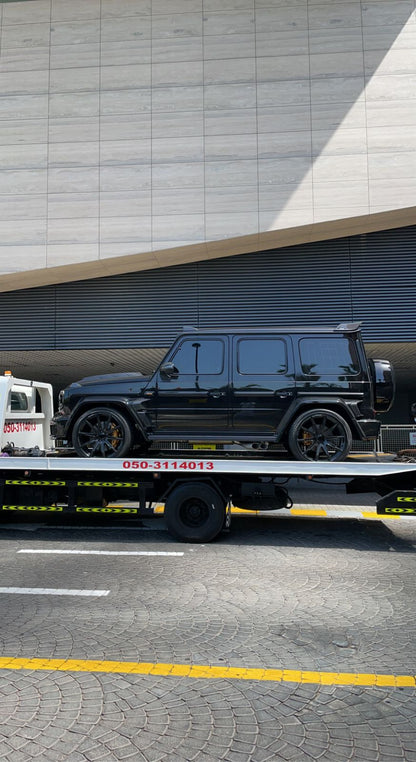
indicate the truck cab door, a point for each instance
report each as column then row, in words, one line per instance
column 192, row 388
column 263, row 385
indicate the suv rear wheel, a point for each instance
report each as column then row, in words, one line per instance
column 320, row 435
column 102, row 433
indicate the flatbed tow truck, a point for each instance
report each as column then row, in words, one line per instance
column 197, row 492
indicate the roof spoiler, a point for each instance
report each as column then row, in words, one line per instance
column 350, row 327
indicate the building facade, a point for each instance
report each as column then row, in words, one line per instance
column 202, row 153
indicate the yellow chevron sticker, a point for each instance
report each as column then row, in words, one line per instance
column 34, row 483
column 82, row 509
column 107, row 484
column 48, row 508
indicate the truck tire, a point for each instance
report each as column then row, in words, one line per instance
column 102, row 433
column 195, row 513
column 320, row 435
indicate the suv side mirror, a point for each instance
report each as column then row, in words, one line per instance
column 168, row 371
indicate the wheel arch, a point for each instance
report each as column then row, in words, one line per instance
column 217, row 486
column 120, row 405
column 335, row 406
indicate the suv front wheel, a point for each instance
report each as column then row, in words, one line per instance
column 102, row 433
column 320, row 435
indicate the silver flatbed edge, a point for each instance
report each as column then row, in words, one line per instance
column 206, row 467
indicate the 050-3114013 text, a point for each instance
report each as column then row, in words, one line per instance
column 169, row 465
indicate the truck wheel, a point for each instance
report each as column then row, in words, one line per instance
column 320, row 435
column 102, row 433
column 195, row 513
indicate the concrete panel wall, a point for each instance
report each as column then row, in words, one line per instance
column 131, row 126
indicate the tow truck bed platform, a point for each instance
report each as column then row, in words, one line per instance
column 197, row 492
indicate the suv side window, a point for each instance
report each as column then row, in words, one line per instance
column 261, row 356
column 322, row 356
column 199, row 356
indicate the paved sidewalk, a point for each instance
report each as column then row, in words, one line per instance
column 288, row 639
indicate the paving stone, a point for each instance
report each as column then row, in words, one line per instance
column 329, row 597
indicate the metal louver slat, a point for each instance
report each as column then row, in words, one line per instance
column 383, row 285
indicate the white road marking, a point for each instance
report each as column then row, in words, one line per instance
column 52, row 591
column 104, row 552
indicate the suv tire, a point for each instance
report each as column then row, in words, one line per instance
column 320, row 435
column 102, row 433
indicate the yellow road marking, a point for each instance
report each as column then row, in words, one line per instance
column 373, row 515
column 159, row 509
column 209, row 672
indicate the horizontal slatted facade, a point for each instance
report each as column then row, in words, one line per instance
column 370, row 278
column 300, row 285
column 383, row 284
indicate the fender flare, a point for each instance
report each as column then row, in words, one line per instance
column 118, row 403
column 338, row 404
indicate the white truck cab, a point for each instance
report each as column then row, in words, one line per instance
column 26, row 410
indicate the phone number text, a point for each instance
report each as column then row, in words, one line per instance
column 169, row 465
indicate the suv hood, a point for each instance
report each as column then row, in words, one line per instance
column 121, row 379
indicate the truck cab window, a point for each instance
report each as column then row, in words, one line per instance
column 18, row 401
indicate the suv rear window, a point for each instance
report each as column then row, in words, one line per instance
column 321, row 356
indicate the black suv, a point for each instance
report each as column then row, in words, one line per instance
column 312, row 389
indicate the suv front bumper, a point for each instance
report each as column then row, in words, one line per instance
column 58, row 427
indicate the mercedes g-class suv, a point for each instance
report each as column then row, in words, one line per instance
column 311, row 389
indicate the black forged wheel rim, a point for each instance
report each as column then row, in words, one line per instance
column 322, row 437
column 101, row 434
column 194, row 512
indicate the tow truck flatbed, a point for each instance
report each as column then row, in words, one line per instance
column 197, row 492
column 350, row 469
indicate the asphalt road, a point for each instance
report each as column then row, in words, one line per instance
column 287, row 639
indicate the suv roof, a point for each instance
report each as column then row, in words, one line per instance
column 340, row 328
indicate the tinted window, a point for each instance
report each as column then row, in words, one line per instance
column 205, row 356
column 18, row 401
column 261, row 356
column 327, row 356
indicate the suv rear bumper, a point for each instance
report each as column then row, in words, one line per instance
column 369, row 428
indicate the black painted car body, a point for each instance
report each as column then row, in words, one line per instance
column 311, row 388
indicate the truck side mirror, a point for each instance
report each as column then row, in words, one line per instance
column 168, row 371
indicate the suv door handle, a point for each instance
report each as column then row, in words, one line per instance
column 216, row 395
column 284, row 395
